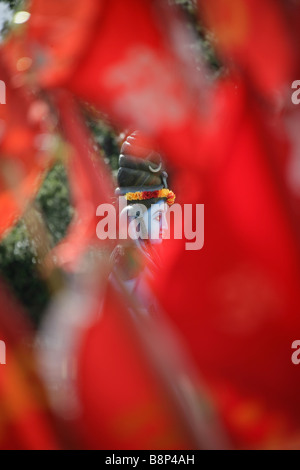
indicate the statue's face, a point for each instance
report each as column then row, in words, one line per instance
column 156, row 222
column 154, row 226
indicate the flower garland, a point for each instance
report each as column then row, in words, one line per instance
column 142, row 195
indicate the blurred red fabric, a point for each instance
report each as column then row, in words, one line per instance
column 236, row 301
column 23, row 160
column 26, row 420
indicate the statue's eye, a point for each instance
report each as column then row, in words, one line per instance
column 158, row 217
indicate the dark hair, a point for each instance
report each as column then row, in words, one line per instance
column 140, row 168
column 147, row 202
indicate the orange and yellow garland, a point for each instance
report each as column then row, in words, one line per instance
column 143, row 195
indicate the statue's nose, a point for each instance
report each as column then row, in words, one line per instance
column 164, row 224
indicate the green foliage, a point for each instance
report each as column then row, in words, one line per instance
column 11, row 3
column 53, row 199
column 202, row 43
column 19, row 262
column 12, row 6
column 18, row 266
column 105, row 138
